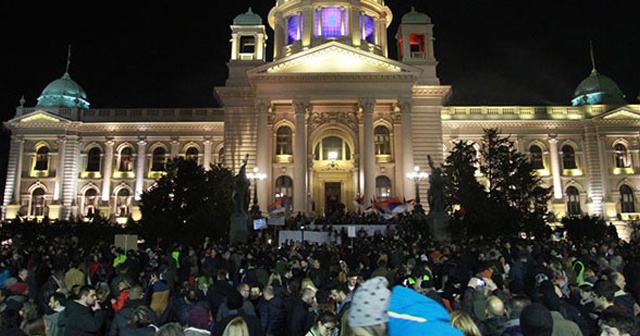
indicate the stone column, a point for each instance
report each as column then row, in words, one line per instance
column 604, row 172
column 70, row 178
column 405, row 105
column 555, row 167
column 206, row 158
column 107, row 169
column 299, row 156
column 175, row 147
column 263, row 152
column 140, row 163
column 19, row 142
column 62, row 140
column 11, row 200
column 369, row 155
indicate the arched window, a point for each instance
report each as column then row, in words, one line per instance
column 573, row 201
column 332, row 148
column 90, row 202
column 284, row 144
column 382, row 140
column 159, row 159
column 37, row 202
column 192, row 154
column 93, row 160
column 383, row 187
column 535, row 156
column 621, row 156
column 284, row 190
column 42, row 159
column 568, row 157
column 122, row 202
column 627, row 201
column 221, row 156
column 126, row 160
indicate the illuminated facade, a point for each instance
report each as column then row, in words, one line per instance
column 329, row 119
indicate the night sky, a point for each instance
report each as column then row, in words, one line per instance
column 171, row 54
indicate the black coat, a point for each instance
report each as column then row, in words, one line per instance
column 302, row 318
column 272, row 316
column 81, row 320
column 120, row 325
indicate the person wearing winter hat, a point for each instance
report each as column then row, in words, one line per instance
column 368, row 313
column 536, row 320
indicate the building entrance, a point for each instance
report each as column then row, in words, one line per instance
column 332, row 197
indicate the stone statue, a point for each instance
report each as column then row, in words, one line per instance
column 241, row 189
column 435, row 195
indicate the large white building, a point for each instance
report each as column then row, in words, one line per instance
column 330, row 118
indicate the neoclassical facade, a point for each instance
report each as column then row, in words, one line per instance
column 329, row 119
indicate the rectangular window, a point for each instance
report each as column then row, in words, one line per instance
column 368, row 28
column 247, row 44
column 294, row 27
column 331, row 22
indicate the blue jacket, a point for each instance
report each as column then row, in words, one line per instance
column 411, row 313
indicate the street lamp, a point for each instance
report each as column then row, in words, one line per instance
column 416, row 175
column 254, row 177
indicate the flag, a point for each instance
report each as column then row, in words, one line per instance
column 276, row 207
column 359, row 201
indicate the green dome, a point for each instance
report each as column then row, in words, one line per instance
column 597, row 89
column 248, row 19
column 63, row 92
column 414, row 17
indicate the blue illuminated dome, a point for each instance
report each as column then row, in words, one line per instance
column 597, row 89
column 414, row 17
column 63, row 92
column 248, row 19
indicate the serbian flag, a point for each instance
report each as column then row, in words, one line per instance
column 276, row 207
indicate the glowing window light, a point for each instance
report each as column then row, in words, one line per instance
column 368, row 28
column 293, row 28
column 331, row 22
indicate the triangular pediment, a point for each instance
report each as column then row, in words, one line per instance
column 39, row 116
column 621, row 113
column 334, row 57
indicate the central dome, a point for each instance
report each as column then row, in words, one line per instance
column 597, row 89
column 63, row 92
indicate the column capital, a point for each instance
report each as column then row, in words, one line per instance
column 263, row 105
column 367, row 104
column 405, row 104
column 142, row 140
column 552, row 138
column 108, row 140
column 61, row 139
column 302, row 105
column 18, row 139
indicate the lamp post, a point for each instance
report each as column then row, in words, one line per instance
column 416, row 175
column 254, row 177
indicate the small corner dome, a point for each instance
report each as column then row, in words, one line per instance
column 414, row 17
column 63, row 92
column 248, row 19
column 597, row 89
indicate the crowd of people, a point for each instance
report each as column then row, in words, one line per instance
column 394, row 282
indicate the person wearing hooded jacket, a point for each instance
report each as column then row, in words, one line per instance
column 411, row 313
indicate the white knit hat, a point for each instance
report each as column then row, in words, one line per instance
column 370, row 303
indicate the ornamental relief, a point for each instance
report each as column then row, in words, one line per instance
column 349, row 118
